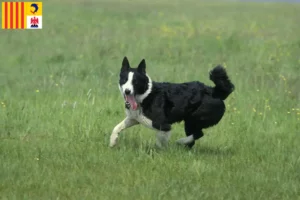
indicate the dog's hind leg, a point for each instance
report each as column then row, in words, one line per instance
column 193, row 131
column 126, row 123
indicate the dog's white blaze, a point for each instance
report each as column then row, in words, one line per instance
column 128, row 85
column 141, row 97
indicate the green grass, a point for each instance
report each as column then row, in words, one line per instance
column 60, row 101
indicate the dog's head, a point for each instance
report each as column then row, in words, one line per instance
column 134, row 84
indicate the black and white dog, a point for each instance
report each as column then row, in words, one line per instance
column 159, row 105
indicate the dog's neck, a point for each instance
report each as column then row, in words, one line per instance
column 140, row 98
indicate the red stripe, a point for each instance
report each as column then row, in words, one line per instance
column 11, row 15
column 17, row 15
column 6, row 17
column 22, row 15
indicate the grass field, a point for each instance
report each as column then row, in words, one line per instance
column 60, row 101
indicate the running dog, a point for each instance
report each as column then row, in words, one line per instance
column 157, row 105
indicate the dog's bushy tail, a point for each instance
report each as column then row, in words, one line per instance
column 223, row 87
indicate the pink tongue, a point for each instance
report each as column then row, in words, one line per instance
column 130, row 99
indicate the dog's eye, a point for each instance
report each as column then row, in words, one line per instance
column 123, row 79
column 134, row 82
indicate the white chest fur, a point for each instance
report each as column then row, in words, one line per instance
column 139, row 116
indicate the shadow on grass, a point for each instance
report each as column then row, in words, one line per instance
column 150, row 148
column 206, row 150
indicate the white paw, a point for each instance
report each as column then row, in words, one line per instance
column 186, row 140
column 181, row 141
column 161, row 140
column 159, row 145
column 113, row 140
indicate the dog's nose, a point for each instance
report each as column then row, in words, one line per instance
column 127, row 92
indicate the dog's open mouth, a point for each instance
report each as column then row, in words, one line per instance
column 131, row 100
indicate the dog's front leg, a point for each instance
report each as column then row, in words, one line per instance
column 163, row 133
column 126, row 123
column 162, row 138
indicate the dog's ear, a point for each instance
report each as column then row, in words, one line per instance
column 142, row 67
column 125, row 64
